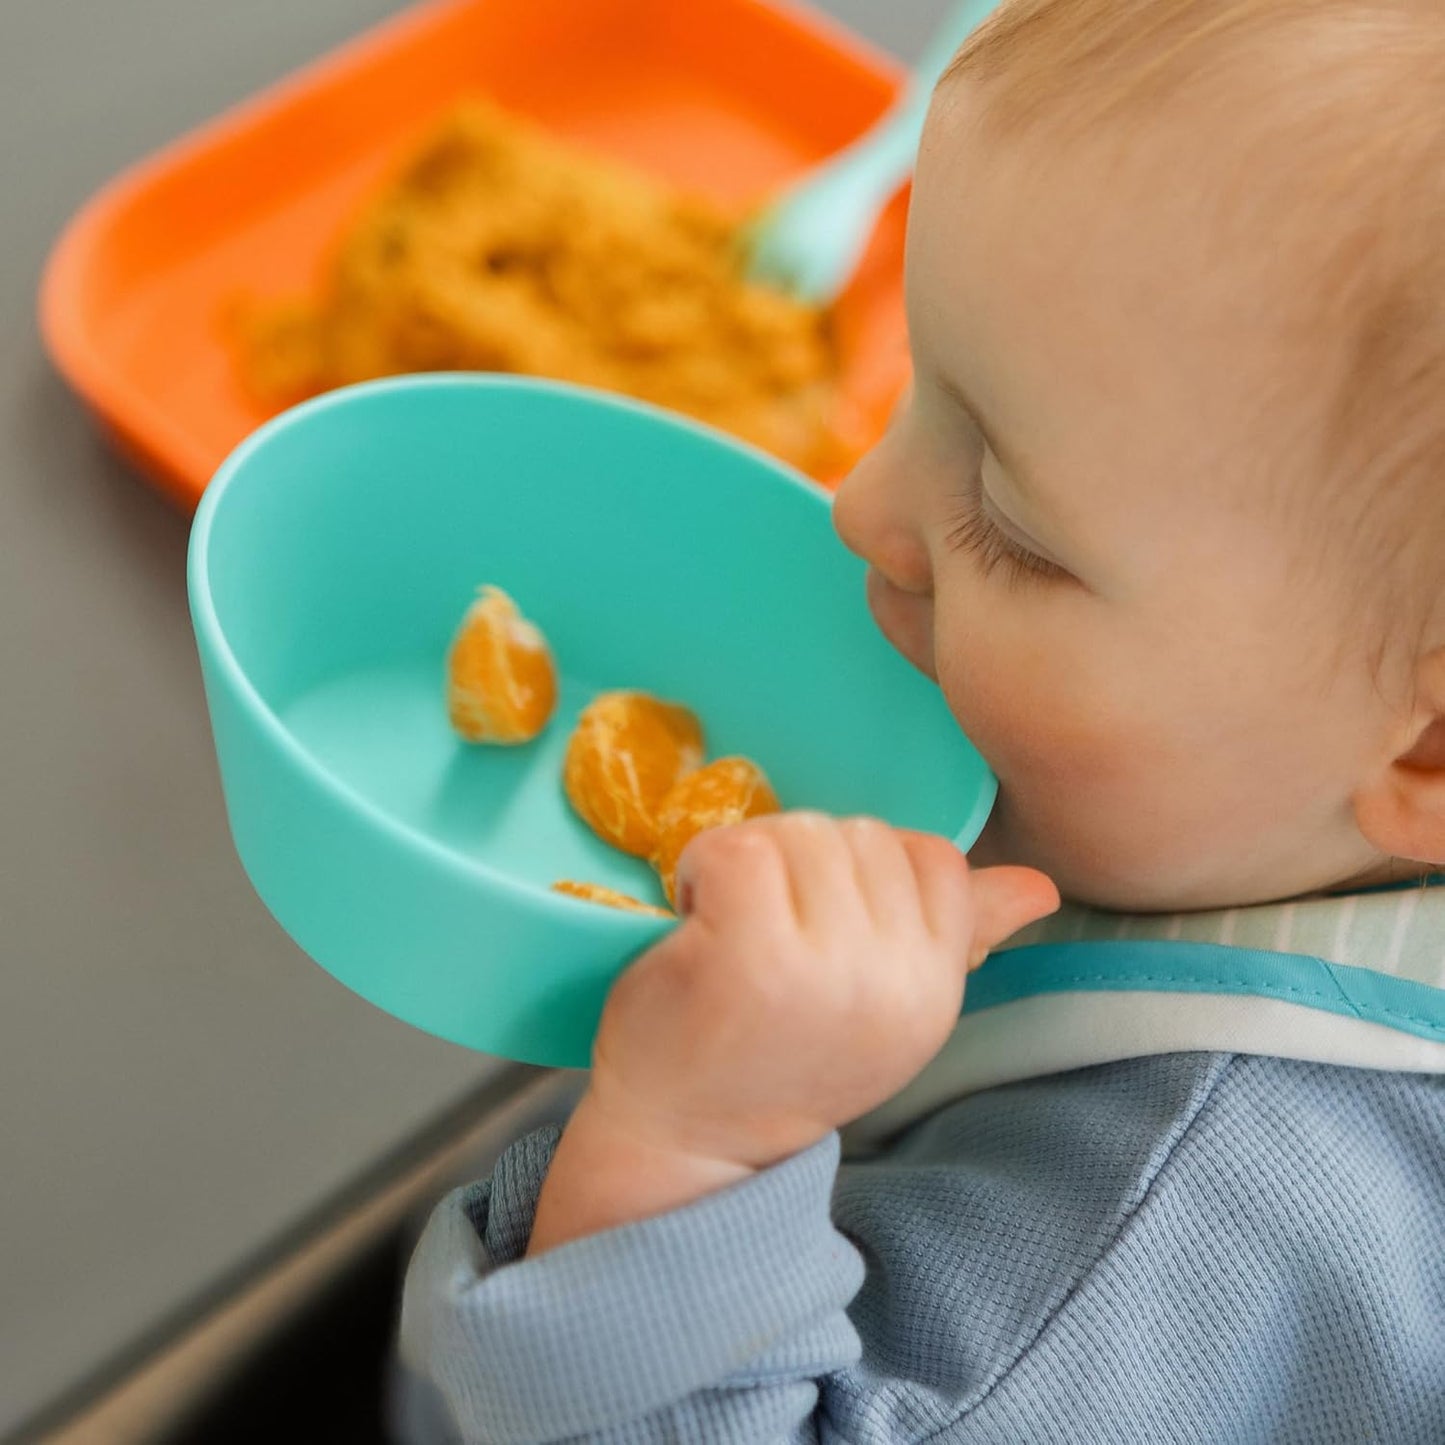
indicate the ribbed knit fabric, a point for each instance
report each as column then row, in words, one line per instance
column 1183, row 1248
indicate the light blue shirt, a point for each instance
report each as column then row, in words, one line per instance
column 1197, row 1243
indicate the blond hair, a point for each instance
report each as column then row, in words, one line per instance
column 1345, row 125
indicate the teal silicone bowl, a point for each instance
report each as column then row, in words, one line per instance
column 331, row 560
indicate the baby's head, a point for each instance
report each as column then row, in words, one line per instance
column 1165, row 511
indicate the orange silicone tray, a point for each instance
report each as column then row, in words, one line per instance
column 728, row 97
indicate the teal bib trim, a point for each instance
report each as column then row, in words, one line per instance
column 1432, row 880
column 1159, row 966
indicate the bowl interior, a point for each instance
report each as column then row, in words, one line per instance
column 350, row 537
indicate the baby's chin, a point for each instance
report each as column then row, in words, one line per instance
column 1123, row 873
column 1079, row 875
column 1003, row 845
column 998, row 846
column 1083, row 876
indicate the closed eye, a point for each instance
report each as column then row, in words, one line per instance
column 974, row 533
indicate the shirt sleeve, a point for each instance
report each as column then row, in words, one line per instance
column 715, row 1321
column 1174, row 1250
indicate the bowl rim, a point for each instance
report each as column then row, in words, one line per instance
column 212, row 635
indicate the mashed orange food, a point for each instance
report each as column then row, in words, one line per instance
column 499, row 248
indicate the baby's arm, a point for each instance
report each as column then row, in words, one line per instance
column 712, row 1322
column 679, row 1272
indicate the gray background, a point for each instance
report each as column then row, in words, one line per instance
column 178, row 1086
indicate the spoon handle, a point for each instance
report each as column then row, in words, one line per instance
column 884, row 155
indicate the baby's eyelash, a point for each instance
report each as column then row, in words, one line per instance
column 972, row 532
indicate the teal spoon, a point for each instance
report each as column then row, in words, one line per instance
column 810, row 239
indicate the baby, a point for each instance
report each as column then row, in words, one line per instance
column 1164, row 516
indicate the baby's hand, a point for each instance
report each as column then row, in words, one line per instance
column 820, row 965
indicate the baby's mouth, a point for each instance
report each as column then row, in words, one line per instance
column 905, row 619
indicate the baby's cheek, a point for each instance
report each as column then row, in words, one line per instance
column 1036, row 720
column 1081, row 770
column 1101, row 783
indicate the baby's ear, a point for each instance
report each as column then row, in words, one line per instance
column 1402, row 811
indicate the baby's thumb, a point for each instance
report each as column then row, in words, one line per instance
column 1004, row 901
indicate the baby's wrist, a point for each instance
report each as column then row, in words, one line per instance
column 610, row 1170
column 728, row 1138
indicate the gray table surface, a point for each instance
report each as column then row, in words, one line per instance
column 178, row 1085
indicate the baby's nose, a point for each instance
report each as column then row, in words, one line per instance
column 868, row 520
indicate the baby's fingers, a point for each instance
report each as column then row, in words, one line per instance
column 975, row 908
column 1006, row 900
column 884, row 875
column 944, row 887
column 731, row 874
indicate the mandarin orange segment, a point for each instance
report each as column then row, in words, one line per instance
column 501, row 680
column 608, row 898
column 726, row 791
column 628, row 751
